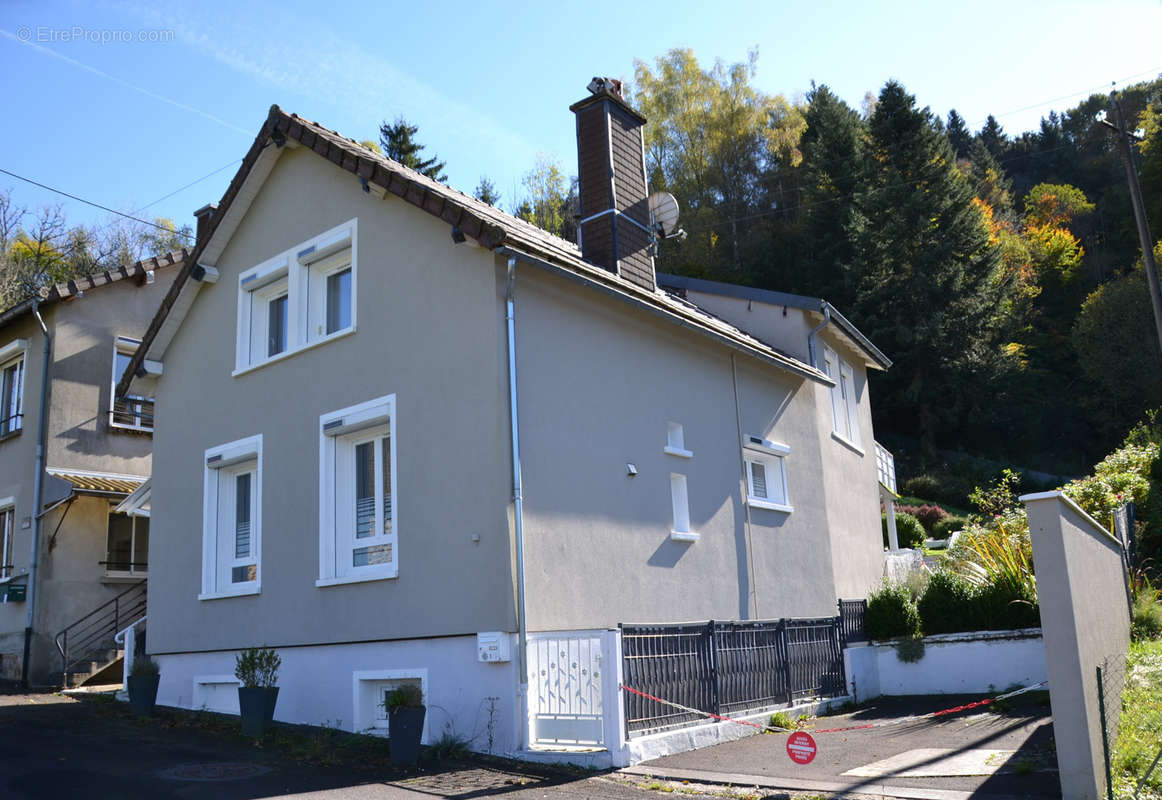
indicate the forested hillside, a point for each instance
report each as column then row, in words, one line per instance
column 1001, row 274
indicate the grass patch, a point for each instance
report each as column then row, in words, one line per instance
column 781, row 719
column 1140, row 727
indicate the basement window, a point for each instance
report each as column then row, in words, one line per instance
column 298, row 299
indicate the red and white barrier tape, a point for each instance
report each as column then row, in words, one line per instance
column 898, row 721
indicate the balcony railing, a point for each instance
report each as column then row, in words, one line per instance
column 132, row 413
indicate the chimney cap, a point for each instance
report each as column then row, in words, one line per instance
column 206, row 210
column 607, row 89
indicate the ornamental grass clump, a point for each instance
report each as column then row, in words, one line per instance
column 257, row 667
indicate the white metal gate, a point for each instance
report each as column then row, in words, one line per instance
column 565, row 675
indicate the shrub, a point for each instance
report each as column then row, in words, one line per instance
column 949, row 604
column 929, row 516
column 891, row 612
column 926, row 486
column 143, row 665
column 406, row 695
column 909, row 531
column 948, row 526
column 1006, row 606
column 257, row 667
column 1146, row 622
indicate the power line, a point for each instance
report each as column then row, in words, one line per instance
column 93, row 204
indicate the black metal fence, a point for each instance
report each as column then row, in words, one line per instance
column 852, row 621
column 727, row 668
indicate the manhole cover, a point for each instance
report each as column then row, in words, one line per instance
column 213, row 772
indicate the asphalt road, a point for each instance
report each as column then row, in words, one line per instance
column 1024, row 725
column 52, row 746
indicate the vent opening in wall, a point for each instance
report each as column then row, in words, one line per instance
column 370, row 691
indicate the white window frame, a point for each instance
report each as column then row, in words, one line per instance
column 15, row 353
column 126, row 346
column 368, row 688
column 226, row 462
column 7, row 538
column 844, row 400
column 773, row 458
column 339, row 432
column 295, row 272
column 676, row 441
column 680, row 507
column 134, row 522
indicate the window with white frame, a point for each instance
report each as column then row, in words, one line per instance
column 127, row 546
column 132, row 412
column 358, row 532
column 232, row 519
column 766, row 474
column 7, row 545
column 12, row 386
column 844, row 403
column 297, row 299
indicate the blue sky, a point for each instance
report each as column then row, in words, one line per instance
column 125, row 103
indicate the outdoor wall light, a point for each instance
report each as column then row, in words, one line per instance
column 457, row 235
column 631, row 470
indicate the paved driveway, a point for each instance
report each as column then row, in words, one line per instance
column 929, row 758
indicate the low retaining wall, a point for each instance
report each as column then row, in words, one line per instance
column 951, row 663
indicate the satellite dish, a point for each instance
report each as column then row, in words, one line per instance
column 664, row 212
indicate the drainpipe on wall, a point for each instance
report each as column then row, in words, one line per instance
column 37, row 494
column 518, row 509
column 815, row 330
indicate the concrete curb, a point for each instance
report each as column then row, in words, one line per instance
column 858, row 789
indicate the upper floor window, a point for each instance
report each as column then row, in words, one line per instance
column 132, row 412
column 232, row 519
column 7, row 545
column 12, row 386
column 297, row 299
column 766, row 474
column 844, row 403
column 127, row 547
column 357, row 521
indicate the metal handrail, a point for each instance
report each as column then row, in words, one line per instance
column 103, row 622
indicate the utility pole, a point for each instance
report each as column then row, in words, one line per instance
column 1124, row 139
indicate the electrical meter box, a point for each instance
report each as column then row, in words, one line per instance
column 495, row 646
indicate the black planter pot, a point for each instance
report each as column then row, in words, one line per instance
column 405, row 727
column 143, row 693
column 256, row 707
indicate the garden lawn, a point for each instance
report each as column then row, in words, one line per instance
column 1140, row 728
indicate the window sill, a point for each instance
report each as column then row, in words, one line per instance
column 10, row 435
column 850, row 445
column 117, row 427
column 322, row 583
column 677, row 451
column 236, row 593
column 684, row 536
column 288, row 353
column 754, row 502
column 11, row 578
column 115, row 579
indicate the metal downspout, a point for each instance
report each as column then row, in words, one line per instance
column 753, row 609
column 811, row 336
column 518, row 507
column 37, row 494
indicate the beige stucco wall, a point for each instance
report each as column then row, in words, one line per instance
column 430, row 329
column 1081, row 587
column 79, row 438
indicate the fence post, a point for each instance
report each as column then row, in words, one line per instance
column 785, row 650
column 714, row 707
column 1105, row 737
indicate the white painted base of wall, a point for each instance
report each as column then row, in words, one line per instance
column 656, row 745
column 953, row 663
column 335, row 685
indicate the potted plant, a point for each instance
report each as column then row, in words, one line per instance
column 256, row 668
column 144, row 676
column 405, row 723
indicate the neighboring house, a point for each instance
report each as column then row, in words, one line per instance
column 345, row 354
column 97, row 451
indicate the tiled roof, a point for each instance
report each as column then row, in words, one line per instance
column 70, row 288
column 102, row 483
column 488, row 226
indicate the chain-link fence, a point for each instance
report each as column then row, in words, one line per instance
column 1130, row 697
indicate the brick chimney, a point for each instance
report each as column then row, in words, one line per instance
column 203, row 216
column 614, row 227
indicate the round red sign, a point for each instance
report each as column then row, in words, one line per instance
column 801, row 747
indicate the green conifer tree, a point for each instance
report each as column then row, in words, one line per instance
column 398, row 144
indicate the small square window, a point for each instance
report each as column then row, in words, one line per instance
column 766, row 475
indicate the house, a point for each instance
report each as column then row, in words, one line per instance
column 96, row 452
column 409, row 437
